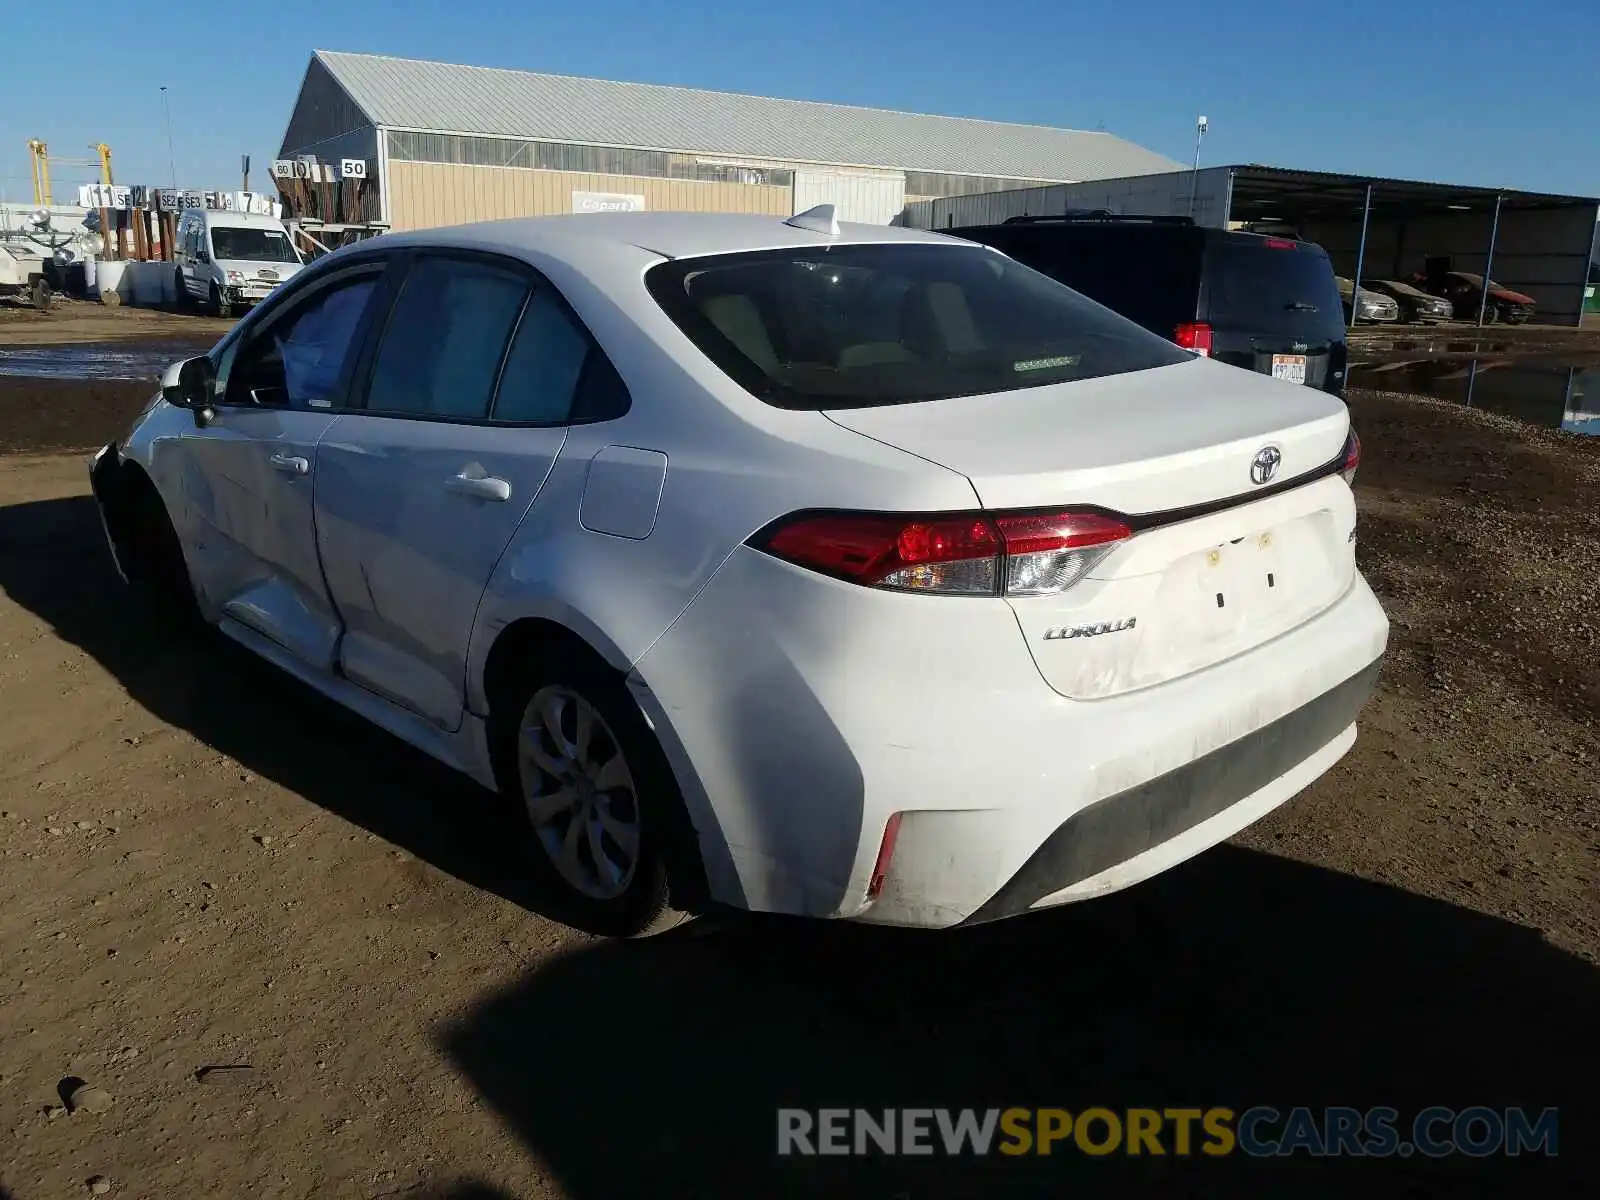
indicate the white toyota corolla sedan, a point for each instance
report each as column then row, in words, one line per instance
column 842, row 571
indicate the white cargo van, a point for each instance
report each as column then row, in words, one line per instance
column 228, row 261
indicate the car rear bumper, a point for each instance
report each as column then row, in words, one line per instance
column 1118, row 840
column 800, row 714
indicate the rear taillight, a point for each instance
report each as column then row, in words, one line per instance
column 1279, row 244
column 1352, row 458
column 951, row 554
column 1194, row 335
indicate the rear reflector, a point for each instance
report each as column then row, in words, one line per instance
column 953, row 554
column 880, row 869
column 1352, row 458
column 1194, row 335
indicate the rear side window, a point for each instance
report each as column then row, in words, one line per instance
column 1254, row 286
column 442, row 347
column 544, row 365
column 855, row 326
column 555, row 373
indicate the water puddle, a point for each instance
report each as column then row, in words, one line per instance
column 98, row 360
column 1554, row 395
column 1425, row 344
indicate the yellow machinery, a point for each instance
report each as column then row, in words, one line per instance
column 39, row 160
column 39, row 154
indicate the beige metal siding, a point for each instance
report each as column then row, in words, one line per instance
column 873, row 198
column 424, row 195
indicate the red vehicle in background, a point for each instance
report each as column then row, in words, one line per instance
column 1465, row 291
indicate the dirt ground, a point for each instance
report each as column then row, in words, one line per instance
column 90, row 321
column 302, row 961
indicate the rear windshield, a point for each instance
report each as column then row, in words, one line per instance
column 1257, row 288
column 854, row 326
column 252, row 245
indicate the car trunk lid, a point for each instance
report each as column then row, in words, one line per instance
column 1226, row 553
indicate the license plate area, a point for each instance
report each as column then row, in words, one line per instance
column 1149, row 613
column 1289, row 367
column 1220, row 601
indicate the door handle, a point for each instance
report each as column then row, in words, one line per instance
column 484, row 487
column 290, row 464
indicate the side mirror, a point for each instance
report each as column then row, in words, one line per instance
column 191, row 384
column 202, row 256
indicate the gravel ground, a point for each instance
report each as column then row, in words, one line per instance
column 294, row 958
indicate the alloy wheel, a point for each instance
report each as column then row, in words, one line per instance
column 579, row 792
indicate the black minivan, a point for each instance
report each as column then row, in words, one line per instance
column 1264, row 303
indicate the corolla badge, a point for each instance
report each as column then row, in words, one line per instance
column 1265, row 464
column 1056, row 633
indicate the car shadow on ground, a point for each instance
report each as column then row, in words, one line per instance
column 657, row 1067
column 1241, row 979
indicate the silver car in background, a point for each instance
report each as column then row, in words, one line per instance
column 1374, row 306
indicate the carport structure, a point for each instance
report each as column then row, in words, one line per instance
column 1371, row 226
column 1530, row 242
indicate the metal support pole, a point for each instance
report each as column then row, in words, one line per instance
column 1488, row 263
column 1194, row 176
column 1361, row 259
column 172, row 161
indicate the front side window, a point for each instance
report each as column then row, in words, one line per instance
column 251, row 245
column 854, row 326
column 299, row 360
column 441, row 350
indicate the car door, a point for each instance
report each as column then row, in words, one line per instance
column 184, row 254
column 422, row 485
column 250, row 470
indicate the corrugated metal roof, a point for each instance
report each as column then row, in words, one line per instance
column 411, row 93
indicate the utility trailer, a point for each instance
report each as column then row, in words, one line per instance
column 34, row 256
column 23, row 273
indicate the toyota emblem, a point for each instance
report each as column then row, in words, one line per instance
column 1265, row 464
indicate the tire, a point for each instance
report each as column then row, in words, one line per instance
column 216, row 306
column 1490, row 315
column 41, row 295
column 184, row 301
column 613, row 852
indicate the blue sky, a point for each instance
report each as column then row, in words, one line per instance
column 1466, row 91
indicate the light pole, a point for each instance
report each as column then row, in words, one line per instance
column 1194, row 178
column 172, row 160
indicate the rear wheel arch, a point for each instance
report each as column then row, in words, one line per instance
column 525, row 640
column 515, row 659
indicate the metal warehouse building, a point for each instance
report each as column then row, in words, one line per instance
column 449, row 144
column 1531, row 242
